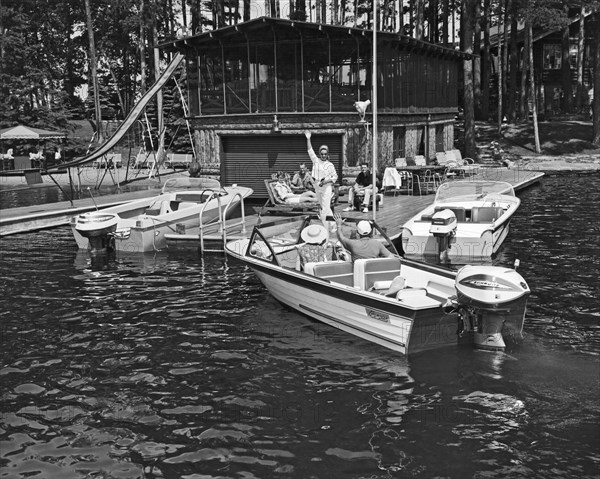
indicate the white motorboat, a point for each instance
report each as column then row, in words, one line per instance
column 140, row 225
column 469, row 219
column 404, row 305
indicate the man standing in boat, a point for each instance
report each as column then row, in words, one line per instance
column 323, row 171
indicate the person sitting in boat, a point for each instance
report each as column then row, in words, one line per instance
column 314, row 248
column 363, row 247
column 303, row 180
column 363, row 186
column 285, row 193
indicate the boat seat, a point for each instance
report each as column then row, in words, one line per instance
column 334, row 271
column 367, row 271
column 486, row 214
column 439, row 290
column 459, row 212
column 417, row 298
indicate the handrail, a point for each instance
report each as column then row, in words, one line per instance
column 222, row 226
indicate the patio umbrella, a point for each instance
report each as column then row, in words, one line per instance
column 22, row 132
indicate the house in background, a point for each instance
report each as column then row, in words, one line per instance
column 548, row 61
column 253, row 88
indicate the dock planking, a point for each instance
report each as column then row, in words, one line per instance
column 394, row 212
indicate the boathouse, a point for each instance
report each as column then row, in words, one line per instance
column 253, row 88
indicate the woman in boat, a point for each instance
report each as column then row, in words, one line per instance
column 314, row 248
column 285, row 193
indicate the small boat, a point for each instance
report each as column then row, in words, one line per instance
column 402, row 304
column 469, row 219
column 140, row 225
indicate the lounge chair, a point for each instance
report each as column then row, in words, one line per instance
column 275, row 205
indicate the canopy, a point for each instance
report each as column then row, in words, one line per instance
column 21, row 132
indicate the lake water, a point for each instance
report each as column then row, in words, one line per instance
column 177, row 366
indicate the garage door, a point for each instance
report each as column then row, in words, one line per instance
column 249, row 160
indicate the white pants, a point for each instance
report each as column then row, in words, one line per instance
column 324, row 196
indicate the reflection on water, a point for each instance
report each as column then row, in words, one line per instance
column 175, row 366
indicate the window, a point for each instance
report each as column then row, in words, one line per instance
column 552, row 57
column 399, row 147
column 439, row 138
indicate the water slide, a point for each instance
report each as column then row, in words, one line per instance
column 131, row 117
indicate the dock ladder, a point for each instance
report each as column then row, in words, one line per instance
column 222, row 232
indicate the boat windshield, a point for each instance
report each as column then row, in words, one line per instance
column 184, row 183
column 471, row 190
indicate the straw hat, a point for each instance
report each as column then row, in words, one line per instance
column 314, row 234
column 363, row 228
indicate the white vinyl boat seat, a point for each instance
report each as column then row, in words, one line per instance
column 459, row 212
column 417, row 298
column 334, row 271
column 486, row 214
column 367, row 271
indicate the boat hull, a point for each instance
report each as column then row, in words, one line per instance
column 372, row 317
column 139, row 231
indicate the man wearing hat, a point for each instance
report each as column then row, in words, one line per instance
column 325, row 176
column 314, row 247
column 363, row 247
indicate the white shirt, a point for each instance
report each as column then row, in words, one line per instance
column 322, row 169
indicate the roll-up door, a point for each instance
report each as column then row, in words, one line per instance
column 249, row 160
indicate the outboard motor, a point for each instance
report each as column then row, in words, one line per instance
column 98, row 228
column 443, row 227
column 490, row 298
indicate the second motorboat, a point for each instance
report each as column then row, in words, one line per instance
column 468, row 221
column 141, row 225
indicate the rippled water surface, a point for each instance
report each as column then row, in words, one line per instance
column 177, row 366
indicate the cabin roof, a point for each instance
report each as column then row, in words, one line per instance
column 266, row 29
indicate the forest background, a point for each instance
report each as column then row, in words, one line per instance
column 66, row 60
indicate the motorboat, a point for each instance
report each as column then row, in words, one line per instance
column 140, row 225
column 469, row 219
column 402, row 304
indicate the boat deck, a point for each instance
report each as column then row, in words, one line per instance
column 392, row 214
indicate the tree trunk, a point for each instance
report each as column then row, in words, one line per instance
column 477, row 62
column 485, row 70
column 580, row 48
column 94, row 72
column 501, row 29
column 513, row 65
column 596, row 101
column 419, row 20
column 536, row 133
column 142, row 47
column 566, row 70
column 506, row 22
column 445, row 17
column 523, row 108
column 468, row 100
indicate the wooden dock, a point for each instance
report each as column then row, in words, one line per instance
column 50, row 215
column 393, row 213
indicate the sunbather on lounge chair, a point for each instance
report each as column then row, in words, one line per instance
column 285, row 193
